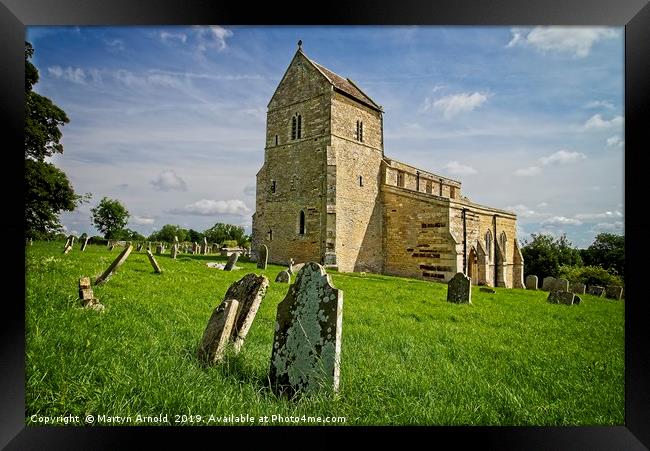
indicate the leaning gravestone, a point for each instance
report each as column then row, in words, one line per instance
column 87, row 297
column 114, row 266
column 577, row 288
column 231, row 261
column 139, row 248
column 249, row 292
column 154, row 263
column 174, row 250
column 561, row 285
column 614, row 292
column 595, row 290
column 459, row 289
column 531, row 282
column 283, row 277
column 548, row 283
column 67, row 249
column 307, row 342
column 218, row 331
column 561, row 297
column 85, row 243
column 112, row 247
column 262, row 256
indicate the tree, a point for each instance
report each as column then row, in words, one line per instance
column 544, row 255
column 219, row 233
column 48, row 191
column 109, row 217
column 128, row 235
column 194, row 236
column 607, row 251
column 168, row 232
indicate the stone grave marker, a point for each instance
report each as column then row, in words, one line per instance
column 87, row 297
column 561, row 297
column 249, row 291
column 577, row 288
column 160, row 249
column 114, row 266
column 531, row 282
column 290, row 269
column 174, row 250
column 283, row 277
column 561, row 285
column 614, row 292
column 231, row 261
column 262, row 256
column 307, row 342
column 154, row 263
column 85, row 243
column 577, row 300
column 218, row 331
column 595, row 290
column 459, row 289
column 548, row 283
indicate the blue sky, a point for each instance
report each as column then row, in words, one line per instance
column 171, row 120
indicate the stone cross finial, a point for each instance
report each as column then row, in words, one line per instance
column 300, row 44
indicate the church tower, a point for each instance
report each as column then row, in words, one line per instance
column 318, row 191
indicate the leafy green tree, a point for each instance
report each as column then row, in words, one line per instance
column 544, row 255
column 168, row 232
column 194, row 236
column 220, row 233
column 48, row 191
column 109, row 217
column 590, row 275
column 128, row 235
column 607, row 251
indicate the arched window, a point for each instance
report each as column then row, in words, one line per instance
column 294, row 123
column 301, row 220
column 359, row 133
column 299, row 126
column 296, row 126
column 488, row 244
column 503, row 241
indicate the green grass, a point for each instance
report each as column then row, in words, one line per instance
column 408, row 356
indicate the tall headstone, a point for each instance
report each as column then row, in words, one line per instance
column 205, row 246
column 614, row 292
column 139, row 248
column 85, row 243
column 459, row 289
column 531, row 282
column 307, row 342
column 114, row 266
column 548, row 283
column 175, row 239
column 231, row 261
column 160, row 249
column 218, row 331
column 283, row 277
column 561, row 297
column 154, row 263
column 249, row 291
column 174, row 250
column 577, row 288
column 561, row 285
column 262, row 256
column 595, row 290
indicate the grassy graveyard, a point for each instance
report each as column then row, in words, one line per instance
column 408, row 356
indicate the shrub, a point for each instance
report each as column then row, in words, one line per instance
column 229, row 243
column 590, row 275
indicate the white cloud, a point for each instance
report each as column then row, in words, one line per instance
column 561, row 220
column 573, row 40
column 73, row 74
column 115, row 45
column 528, row 172
column 615, row 141
column 140, row 220
column 167, row 37
column 454, row 167
column 169, row 181
column 609, row 227
column 600, row 104
column 213, row 36
column 542, row 205
column 206, row 207
column 522, row 210
column 562, row 157
column 455, row 104
column 597, row 122
column 607, row 214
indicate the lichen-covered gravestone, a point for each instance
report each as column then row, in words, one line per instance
column 614, row 292
column 217, row 333
column 595, row 290
column 561, row 297
column 262, row 256
column 531, row 282
column 249, row 292
column 561, row 285
column 459, row 289
column 283, row 277
column 307, row 341
column 577, row 288
column 114, row 266
column 548, row 283
column 231, row 261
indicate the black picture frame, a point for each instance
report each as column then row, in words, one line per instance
column 15, row 15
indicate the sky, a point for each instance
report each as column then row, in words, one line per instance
column 171, row 120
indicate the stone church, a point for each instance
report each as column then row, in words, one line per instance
column 327, row 193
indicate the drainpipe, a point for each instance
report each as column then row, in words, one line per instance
column 464, row 241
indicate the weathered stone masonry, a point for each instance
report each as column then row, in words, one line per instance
column 327, row 193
